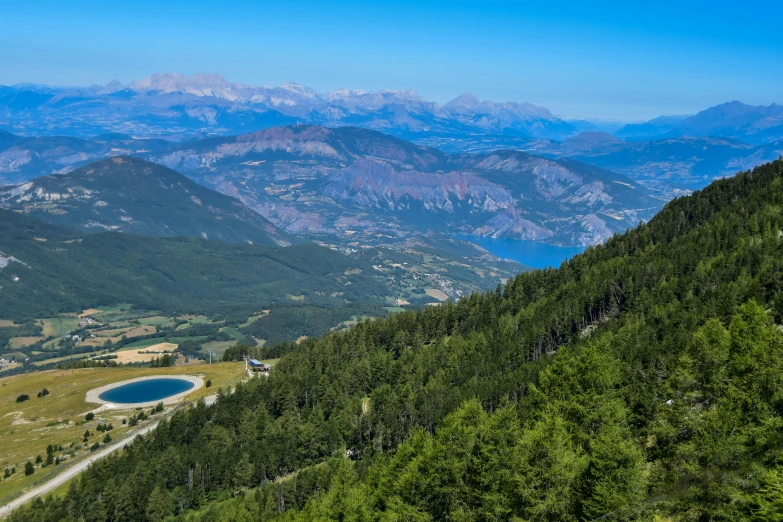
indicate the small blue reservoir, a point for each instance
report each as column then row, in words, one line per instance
column 146, row 391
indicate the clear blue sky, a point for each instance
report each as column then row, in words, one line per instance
column 620, row 60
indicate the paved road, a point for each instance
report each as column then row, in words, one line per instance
column 70, row 472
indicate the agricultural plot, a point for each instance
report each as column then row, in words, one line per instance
column 59, row 326
column 16, row 343
column 158, row 321
column 144, row 354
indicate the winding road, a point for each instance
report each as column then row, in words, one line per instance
column 73, row 470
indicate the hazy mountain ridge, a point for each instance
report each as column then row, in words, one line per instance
column 317, row 181
column 737, row 120
column 669, row 167
column 335, row 181
column 172, row 104
column 132, row 195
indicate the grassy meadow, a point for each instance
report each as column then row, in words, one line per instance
column 27, row 428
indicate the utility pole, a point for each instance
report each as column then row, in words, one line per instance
column 246, row 358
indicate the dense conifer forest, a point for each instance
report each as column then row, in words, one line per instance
column 639, row 381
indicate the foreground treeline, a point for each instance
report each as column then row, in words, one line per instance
column 642, row 380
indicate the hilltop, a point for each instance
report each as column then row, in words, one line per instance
column 135, row 196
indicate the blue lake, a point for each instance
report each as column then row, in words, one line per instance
column 146, row 391
column 529, row 253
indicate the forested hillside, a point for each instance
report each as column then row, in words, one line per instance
column 639, row 381
column 127, row 194
column 46, row 269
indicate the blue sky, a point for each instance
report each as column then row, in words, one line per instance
column 617, row 60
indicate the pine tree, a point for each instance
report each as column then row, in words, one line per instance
column 158, row 506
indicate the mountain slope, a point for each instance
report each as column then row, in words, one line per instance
column 328, row 183
column 640, row 381
column 135, row 196
column 316, row 180
column 753, row 124
column 47, row 269
column 668, row 167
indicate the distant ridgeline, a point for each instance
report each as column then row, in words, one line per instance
column 641, row 380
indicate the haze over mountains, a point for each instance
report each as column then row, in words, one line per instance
column 176, row 105
column 167, row 104
column 365, row 186
column 670, row 155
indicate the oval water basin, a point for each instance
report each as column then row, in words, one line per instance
column 146, row 391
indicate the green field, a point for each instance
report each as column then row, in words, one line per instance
column 143, row 343
column 27, row 428
column 63, row 358
column 218, row 347
column 59, row 326
column 157, row 320
column 16, row 343
column 233, row 331
column 179, row 340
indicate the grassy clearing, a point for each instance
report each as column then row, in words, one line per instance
column 178, row 340
column 4, row 323
column 105, row 311
column 63, row 358
column 194, row 319
column 16, row 343
column 139, row 331
column 59, row 326
column 232, row 331
column 142, row 343
column 157, row 320
column 218, row 348
column 27, row 428
column 53, row 343
column 437, row 294
column 110, row 333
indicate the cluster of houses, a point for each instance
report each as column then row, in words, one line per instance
column 86, row 321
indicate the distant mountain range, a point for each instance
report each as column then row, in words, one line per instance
column 360, row 185
column 667, row 166
column 752, row 124
column 178, row 106
column 136, row 197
